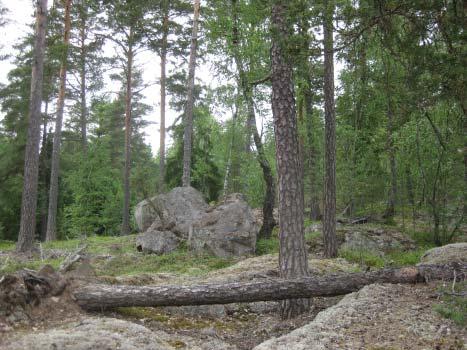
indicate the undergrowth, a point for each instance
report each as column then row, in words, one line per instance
column 113, row 256
column 453, row 304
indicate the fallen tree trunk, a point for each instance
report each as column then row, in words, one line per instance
column 99, row 296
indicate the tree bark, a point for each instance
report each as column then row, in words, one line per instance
column 391, row 206
column 225, row 190
column 51, row 234
column 293, row 261
column 83, row 103
column 126, row 176
column 43, row 159
column 100, row 296
column 188, row 134
column 247, row 93
column 329, row 223
column 165, row 33
column 315, row 212
column 31, row 159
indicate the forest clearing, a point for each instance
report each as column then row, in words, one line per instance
column 238, row 175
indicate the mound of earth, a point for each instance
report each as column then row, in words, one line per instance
column 376, row 317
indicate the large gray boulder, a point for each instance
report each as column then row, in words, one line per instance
column 456, row 252
column 91, row 334
column 226, row 230
column 174, row 211
column 377, row 240
column 157, row 242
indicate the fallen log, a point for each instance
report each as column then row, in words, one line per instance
column 100, row 296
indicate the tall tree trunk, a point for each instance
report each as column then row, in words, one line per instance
column 464, row 129
column 126, row 176
column 390, row 209
column 329, row 224
column 31, row 159
column 43, row 163
column 188, row 134
column 228, row 167
column 315, row 212
column 83, row 103
column 293, row 261
column 269, row 196
column 165, row 33
column 51, row 234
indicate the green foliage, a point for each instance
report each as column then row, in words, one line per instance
column 362, row 257
column 6, row 245
column 96, row 196
column 206, row 175
column 366, row 258
column 267, row 246
column 454, row 304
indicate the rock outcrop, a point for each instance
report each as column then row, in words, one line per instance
column 377, row 240
column 226, row 230
column 111, row 334
column 91, row 334
column 377, row 317
column 174, row 211
column 456, row 252
column 157, row 242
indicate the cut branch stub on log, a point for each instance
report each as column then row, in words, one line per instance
column 100, row 296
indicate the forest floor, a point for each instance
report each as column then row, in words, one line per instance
column 395, row 317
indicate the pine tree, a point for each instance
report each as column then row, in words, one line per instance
column 51, row 234
column 292, row 253
column 188, row 116
column 329, row 222
column 31, row 162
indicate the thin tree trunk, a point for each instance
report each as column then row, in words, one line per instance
column 51, row 234
column 43, row 160
column 315, row 212
column 293, row 261
column 329, row 223
column 100, row 297
column 83, row 104
column 31, row 159
column 228, row 167
column 410, row 193
column 126, row 176
column 165, row 33
column 390, row 209
column 188, row 134
column 269, row 196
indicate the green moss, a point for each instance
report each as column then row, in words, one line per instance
column 143, row 312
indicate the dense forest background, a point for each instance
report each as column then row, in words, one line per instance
column 400, row 109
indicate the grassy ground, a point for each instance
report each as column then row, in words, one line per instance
column 114, row 256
